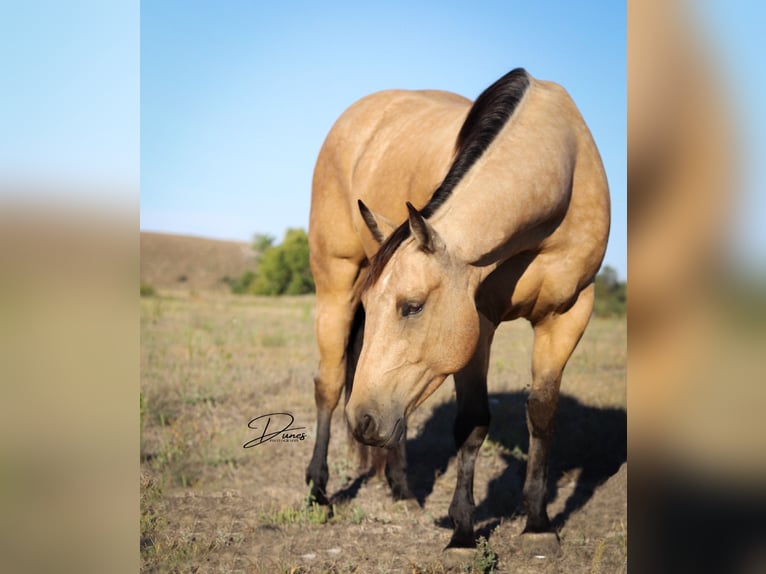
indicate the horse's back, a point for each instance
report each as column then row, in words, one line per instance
column 387, row 148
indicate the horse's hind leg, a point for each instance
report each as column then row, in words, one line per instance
column 471, row 426
column 555, row 338
column 334, row 317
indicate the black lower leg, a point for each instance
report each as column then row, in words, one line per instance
column 396, row 471
column 540, row 422
column 317, row 473
column 469, row 437
column 535, row 487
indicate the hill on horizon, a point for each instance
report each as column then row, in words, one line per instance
column 170, row 261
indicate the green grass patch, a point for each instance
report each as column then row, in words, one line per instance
column 290, row 515
column 310, row 512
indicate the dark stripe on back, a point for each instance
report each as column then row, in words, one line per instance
column 487, row 116
column 489, row 113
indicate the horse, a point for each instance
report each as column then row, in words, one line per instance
column 512, row 219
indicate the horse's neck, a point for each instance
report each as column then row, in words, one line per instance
column 515, row 194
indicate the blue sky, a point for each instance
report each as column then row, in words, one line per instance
column 233, row 99
column 69, row 102
column 237, row 96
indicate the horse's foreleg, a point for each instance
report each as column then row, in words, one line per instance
column 556, row 337
column 396, row 471
column 471, row 426
column 317, row 473
column 333, row 324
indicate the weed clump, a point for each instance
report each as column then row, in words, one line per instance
column 485, row 560
column 310, row 512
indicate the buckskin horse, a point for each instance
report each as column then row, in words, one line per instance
column 513, row 222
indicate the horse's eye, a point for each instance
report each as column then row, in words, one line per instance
column 411, row 308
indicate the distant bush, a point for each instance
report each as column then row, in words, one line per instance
column 241, row 285
column 281, row 269
column 611, row 294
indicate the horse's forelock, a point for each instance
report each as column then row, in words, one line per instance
column 384, row 254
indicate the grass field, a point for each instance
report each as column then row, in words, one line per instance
column 212, row 362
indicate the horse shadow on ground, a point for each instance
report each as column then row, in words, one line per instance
column 589, row 439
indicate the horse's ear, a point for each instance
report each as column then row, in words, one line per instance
column 379, row 226
column 426, row 236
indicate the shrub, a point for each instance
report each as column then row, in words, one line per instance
column 282, row 269
column 241, row 285
column 611, row 294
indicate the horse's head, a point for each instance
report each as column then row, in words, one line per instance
column 421, row 326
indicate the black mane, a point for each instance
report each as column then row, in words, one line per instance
column 487, row 116
column 489, row 113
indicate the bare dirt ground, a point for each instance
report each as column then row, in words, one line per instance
column 213, row 362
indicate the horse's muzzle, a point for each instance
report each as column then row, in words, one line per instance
column 369, row 430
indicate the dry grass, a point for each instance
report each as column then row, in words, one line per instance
column 212, row 362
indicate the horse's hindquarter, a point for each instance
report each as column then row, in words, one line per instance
column 386, row 149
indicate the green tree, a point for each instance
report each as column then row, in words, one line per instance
column 262, row 242
column 611, row 294
column 295, row 251
column 282, row 269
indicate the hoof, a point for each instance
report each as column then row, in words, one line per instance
column 540, row 544
column 398, row 495
column 316, row 494
column 319, row 499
